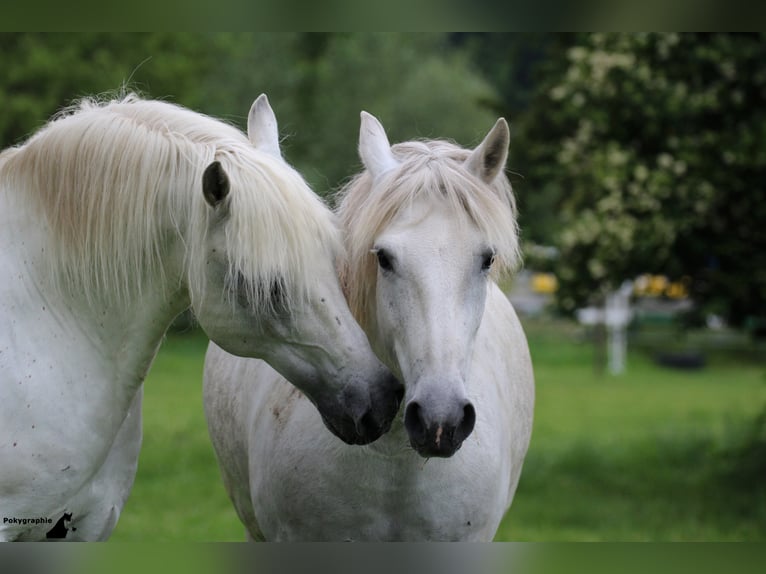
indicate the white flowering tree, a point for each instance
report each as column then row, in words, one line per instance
column 655, row 145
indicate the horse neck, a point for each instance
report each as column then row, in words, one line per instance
column 124, row 336
column 131, row 331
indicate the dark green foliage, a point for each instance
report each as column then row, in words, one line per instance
column 417, row 84
column 649, row 149
column 44, row 72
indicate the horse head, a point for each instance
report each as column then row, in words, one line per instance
column 434, row 222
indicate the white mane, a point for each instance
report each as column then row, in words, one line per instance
column 112, row 179
column 431, row 169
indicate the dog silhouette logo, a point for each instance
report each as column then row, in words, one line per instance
column 61, row 527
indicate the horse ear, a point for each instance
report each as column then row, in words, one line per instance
column 489, row 157
column 215, row 183
column 262, row 127
column 374, row 149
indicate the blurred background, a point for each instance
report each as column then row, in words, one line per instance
column 639, row 167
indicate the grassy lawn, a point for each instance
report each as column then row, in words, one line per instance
column 178, row 494
column 643, row 456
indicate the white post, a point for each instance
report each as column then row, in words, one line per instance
column 617, row 349
column 617, row 315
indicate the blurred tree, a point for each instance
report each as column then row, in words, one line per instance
column 248, row 64
column 512, row 62
column 516, row 64
column 651, row 146
column 44, row 72
column 418, row 85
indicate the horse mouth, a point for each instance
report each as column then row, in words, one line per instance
column 443, row 446
column 356, row 434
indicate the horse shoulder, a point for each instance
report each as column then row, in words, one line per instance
column 235, row 395
column 296, row 467
column 226, row 404
column 503, row 370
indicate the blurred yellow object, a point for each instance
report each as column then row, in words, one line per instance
column 544, row 283
column 659, row 285
column 677, row 290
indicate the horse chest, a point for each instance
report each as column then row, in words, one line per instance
column 366, row 496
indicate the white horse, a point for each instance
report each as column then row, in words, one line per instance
column 114, row 218
column 428, row 225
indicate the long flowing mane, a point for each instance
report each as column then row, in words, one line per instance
column 430, row 169
column 112, row 179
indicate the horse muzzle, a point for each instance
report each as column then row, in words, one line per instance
column 439, row 434
column 364, row 414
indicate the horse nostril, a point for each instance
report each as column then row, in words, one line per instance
column 466, row 425
column 365, row 426
column 413, row 422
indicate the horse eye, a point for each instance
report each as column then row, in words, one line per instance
column 487, row 259
column 384, row 260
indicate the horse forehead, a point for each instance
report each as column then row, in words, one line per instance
column 429, row 226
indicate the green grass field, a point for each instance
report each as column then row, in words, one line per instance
column 650, row 455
